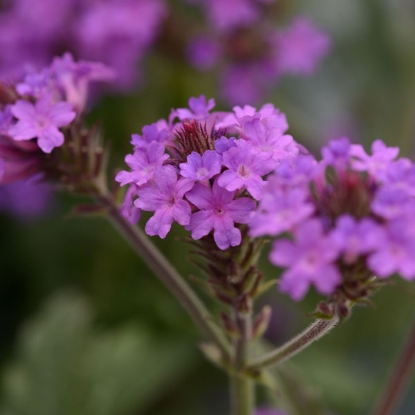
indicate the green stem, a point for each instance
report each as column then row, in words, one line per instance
column 399, row 380
column 167, row 274
column 314, row 332
column 242, row 387
column 242, row 395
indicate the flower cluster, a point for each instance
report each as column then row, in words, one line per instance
column 205, row 170
column 36, row 115
column 116, row 32
column 254, row 56
column 340, row 220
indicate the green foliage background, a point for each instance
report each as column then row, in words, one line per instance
column 87, row 329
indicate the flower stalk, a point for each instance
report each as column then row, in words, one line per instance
column 167, row 274
column 314, row 332
column 399, row 379
column 242, row 387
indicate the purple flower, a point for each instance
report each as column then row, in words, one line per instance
column 223, row 144
column 230, row 14
column 6, row 118
column 395, row 252
column 241, row 83
column 337, row 152
column 199, row 108
column 143, row 163
column 26, row 199
column 201, row 167
column 74, row 77
column 153, row 132
column 128, row 210
column 270, row 139
column 310, row 258
column 203, row 53
column 118, row 33
column 393, row 202
column 354, row 238
column 378, row 162
column 164, row 197
column 280, row 211
column 246, row 166
column 41, row 120
column 296, row 172
column 300, row 47
column 218, row 211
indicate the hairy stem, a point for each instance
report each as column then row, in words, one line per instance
column 396, row 385
column 314, row 332
column 167, row 274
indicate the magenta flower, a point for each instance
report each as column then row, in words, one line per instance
column 201, row 167
column 143, row 163
column 218, row 212
column 41, row 120
column 310, row 258
column 246, row 166
column 395, row 251
column 164, row 197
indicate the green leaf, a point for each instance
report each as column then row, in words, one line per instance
column 66, row 366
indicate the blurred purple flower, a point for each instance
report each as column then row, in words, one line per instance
column 310, row 260
column 376, row 164
column 395, row 251
column 300, row 47
column 26, row 199
column 203, row 53
column 41, row 120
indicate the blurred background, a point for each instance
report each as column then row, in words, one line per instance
column 85, row 328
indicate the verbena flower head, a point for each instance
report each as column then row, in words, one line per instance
column 340, row 221
column 214, row 164
column 39, row 111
